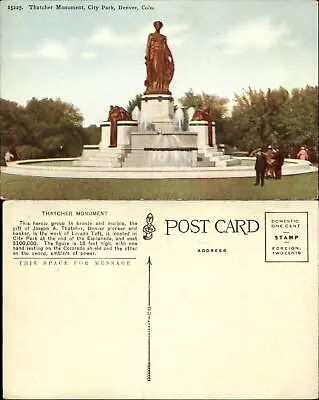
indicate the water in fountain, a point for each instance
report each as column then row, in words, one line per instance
column 190, row 112
column 169, row 153
column 144, row 124
column 136, row 113
column 178, row 119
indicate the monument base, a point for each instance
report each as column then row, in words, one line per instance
column 152, row 142
column 157, row 113
column 153, row 150
column 162, row 150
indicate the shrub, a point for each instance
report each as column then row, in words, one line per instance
column 26, row 152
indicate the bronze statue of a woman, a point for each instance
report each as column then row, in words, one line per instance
column 159, row 63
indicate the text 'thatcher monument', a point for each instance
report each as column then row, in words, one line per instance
column 153, row 136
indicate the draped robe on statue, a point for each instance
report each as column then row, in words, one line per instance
column 159, row 63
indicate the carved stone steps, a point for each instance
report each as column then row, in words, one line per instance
column 135, row 158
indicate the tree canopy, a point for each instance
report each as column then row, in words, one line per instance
column 217, row 105
column 92, row 134
column 275, row 117
column 13, row 123
column 48, row 127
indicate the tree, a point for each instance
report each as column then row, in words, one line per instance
column 91, row 135
column 300, row 116
column 13, row 127
column 53, row 112
column 217, row 105
column 275, row 117
column 48, row 127
column 55, row 126
column 251, row 121
column 13, row 123
column 136, row 101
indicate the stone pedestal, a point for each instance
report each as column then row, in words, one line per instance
column 124, row 129
column 201, row 128
column 157, row 112
column 105, row 135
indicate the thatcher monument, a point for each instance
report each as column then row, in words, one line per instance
column 159, row 63
column 153, row 137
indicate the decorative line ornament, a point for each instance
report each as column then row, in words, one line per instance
column 149, row 228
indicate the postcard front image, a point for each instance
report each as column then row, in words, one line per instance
column 187, row 101
column 158, row 178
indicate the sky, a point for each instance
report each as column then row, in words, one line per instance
column 94, row 57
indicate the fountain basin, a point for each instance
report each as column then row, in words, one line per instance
column 63, row 168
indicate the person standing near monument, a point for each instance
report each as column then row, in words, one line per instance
column 270, row 156
column 10, row 155
column 260, row 167
column 159, row 63
column 279, row 162
column 303, row 154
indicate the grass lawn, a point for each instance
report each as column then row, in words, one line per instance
column 295, row 187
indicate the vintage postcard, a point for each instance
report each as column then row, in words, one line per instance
column 159, row 185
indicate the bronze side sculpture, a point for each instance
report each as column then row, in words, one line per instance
column 117, row 113
column 159, row 63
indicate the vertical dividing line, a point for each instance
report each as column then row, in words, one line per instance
column 149, row 282
column 149, row 323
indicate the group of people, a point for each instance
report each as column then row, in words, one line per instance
column 275, row 161
column 268, row 164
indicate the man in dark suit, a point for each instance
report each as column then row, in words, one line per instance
column 260, row 167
